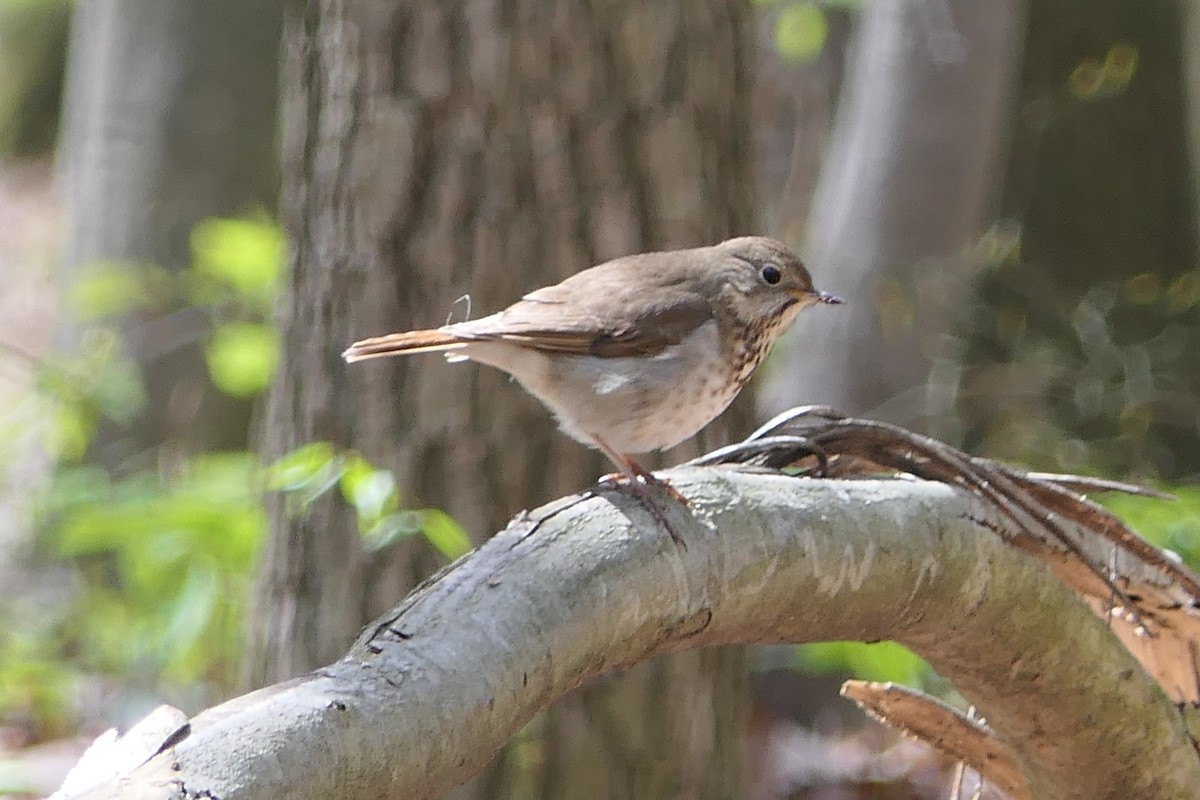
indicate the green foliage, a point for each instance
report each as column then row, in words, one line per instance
column 1081, row 350
column 802, row 26
column 1104, row 382
column 108, row 289
column 881, row 661
column 166, row 564
column 1174, row 525
column 444, row 533
column 161, row 561
column 309, row 472
column 239, row 260
column 235, row 274
column 242, row 357
column 99, row 383
column 1092, row 79
column 237, row 266
column 800, row 31
column 35, row 679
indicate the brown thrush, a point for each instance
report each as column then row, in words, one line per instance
column 638, row 353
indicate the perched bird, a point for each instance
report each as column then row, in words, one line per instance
column 639, row 353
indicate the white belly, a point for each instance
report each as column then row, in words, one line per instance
column 634, row 404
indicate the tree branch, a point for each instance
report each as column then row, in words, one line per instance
column 587, row 586
column 962, row 737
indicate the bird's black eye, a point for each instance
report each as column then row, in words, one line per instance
column 771, row 274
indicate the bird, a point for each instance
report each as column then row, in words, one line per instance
column 639, row 353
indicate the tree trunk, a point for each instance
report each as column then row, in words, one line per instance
column 906, row 189
column 433, row 150
column 170, row 119
column 793, row 108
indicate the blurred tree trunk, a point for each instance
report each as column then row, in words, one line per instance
column 1087, row 351
column 905, row 191
column 1190, row 51
column 170, row 118
column 793, row 107
column 437, row 149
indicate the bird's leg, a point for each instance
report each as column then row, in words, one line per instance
column 637, row 480
column 644, row 477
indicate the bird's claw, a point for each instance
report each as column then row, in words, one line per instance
column 639, row 486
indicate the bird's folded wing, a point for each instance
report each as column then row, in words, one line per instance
column 616, row 321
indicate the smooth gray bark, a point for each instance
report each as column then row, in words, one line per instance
column 434, row 688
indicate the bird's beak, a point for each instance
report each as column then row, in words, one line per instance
column 827, row 298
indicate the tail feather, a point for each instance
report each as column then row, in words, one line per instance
column 402, row 344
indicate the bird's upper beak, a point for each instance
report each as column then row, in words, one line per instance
column 827, row 298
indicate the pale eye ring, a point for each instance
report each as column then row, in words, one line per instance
column 771, row 274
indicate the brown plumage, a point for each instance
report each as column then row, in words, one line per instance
column 638, row 353
column 395, row 344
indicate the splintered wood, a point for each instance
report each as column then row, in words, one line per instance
column 1150, row 600
column 1146, row 596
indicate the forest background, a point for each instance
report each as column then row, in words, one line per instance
column 197, row 213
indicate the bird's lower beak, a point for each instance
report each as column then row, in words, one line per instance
column 827, row 298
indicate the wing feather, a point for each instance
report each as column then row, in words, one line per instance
column 611, row 311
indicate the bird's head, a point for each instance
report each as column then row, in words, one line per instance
column 768, row 279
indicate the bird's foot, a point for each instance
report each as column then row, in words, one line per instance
column 641, row 485
column 636, row 481
column 643, row 478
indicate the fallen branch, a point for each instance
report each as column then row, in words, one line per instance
column 584, row 587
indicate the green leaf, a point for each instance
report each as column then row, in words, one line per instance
column 300, row 467
column 322, row 482
column 225, row 478
column 112, row 288
column 372, row 492
column 75, row 486
column 445, row 534
column 800, row 31
column 118, row 391
column 392, row 528
column 245, row 255
column 193, row 609
column 1171, row 524
column 307, row 473
column 70, row 432
column 881, row 661
column 163, row 565
column 355, row 469
column 242, row 357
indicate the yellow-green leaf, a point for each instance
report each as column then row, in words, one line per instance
column 242, row 357
column 246, row 255
column 445, row 534
column 800, row 31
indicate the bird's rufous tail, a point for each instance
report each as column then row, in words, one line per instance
column 401, row 344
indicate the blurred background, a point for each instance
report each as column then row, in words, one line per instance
column 202, row 204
